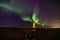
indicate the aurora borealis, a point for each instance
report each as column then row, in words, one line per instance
column 25, row 11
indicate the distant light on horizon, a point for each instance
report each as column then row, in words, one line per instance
column 55, row 24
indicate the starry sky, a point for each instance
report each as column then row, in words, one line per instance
column 49, row 11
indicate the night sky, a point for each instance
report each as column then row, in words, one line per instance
column 49, row 12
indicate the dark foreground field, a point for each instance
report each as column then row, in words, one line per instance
column 23, row 34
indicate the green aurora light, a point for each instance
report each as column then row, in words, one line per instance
column 25, row 18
